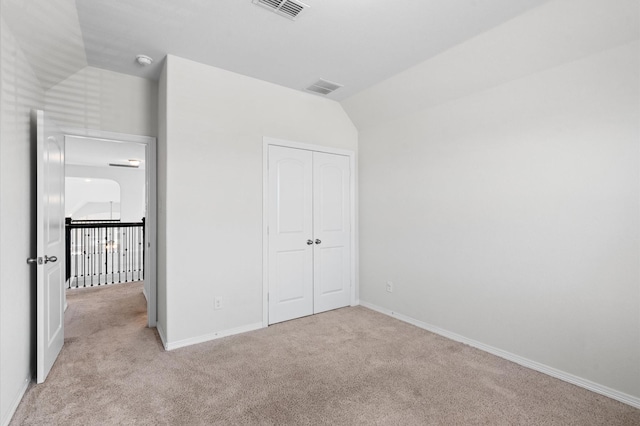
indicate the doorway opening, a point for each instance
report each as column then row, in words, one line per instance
column 104, row 212
column 110, row 208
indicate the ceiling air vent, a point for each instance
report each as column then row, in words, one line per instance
column 323, row 87
column 124, row 165
column 287, row 8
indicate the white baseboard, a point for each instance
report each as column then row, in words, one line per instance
column 553, row 372
column 207, row 337
column 16, row 401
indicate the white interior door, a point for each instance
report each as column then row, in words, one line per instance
column 50, row 259
column 290, row 233
column 332, row 233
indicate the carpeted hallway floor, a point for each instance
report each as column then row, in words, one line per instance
column 350, row 366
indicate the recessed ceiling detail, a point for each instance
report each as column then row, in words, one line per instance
column 287, row 8
column 323, row 87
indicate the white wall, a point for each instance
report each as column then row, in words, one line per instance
column 20, row 90
column 503, row 197
column 211, row 170
column 132, row 189
column 91, row 198
column 104, row 100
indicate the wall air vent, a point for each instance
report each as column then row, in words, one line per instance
column 288, row 8
column 323, row 87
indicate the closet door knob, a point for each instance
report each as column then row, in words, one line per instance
column 318, row 241
column 309, row 242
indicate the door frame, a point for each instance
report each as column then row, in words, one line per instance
column 266, row 143
column 151, row 194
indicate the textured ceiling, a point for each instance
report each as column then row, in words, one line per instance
column 356, row 43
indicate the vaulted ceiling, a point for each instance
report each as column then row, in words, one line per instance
column 356, row 43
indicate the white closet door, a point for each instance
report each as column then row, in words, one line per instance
column 290, row 230
column 332, row 233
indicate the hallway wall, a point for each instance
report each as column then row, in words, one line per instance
column 131, row 184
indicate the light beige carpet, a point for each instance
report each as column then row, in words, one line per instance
column 348, row 367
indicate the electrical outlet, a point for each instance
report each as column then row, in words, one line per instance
column 389, row 287
column 217, row 303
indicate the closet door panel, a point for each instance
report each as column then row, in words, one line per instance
column 332, row 233
column 290, row 229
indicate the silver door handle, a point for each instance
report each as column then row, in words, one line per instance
column 48, row 259
column 34, row 261
column 318, row 241
column 309, row 242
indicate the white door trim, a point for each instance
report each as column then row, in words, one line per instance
column 151, row 219
column 268, row 141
